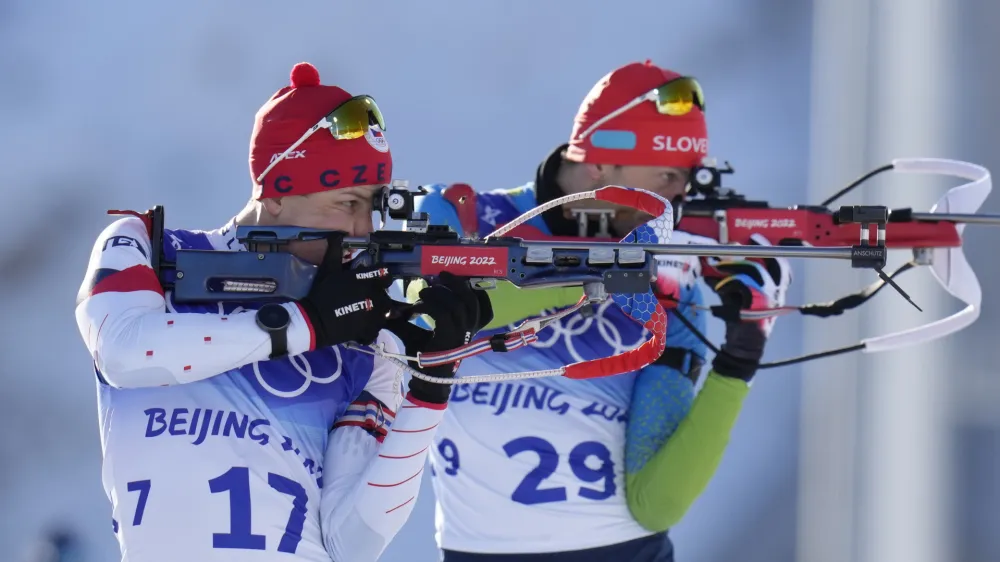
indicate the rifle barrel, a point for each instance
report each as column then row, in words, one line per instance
column 749, row 251
column 967, row 218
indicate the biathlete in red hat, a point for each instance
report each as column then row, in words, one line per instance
column 238, row 432
column 559, row 470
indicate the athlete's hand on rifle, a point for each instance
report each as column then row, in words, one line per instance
column 459, row 312
column 346, row 304
column 757, row 284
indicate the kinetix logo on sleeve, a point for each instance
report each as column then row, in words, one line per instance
column 356, row 307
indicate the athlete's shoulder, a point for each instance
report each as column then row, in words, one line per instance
column 521, row 197
column 438, row 209
column 463, row 208
column 191, row 239
column 438, row 189
column 120, row 245
column 128, row 230
column 133, row 230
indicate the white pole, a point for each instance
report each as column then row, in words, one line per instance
column 906, row 418
column 828, row 437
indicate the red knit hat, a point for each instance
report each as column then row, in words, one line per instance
column 322, row 162
column 640, row 136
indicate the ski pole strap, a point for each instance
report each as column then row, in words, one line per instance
column 508, row 341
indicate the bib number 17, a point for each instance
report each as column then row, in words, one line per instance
column 235, row 483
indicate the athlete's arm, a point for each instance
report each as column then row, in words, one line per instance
column 122, row 316
column 373, row 465
column 667, row 472
column 662, row 490
column 675, row 441
column 438, row 209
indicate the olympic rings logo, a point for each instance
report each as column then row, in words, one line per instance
column 567, row 329
column 304, row 369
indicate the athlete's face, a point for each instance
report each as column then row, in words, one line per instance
column 669, row 183
column 348, row 209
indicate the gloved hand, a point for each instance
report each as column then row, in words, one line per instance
column 459, row 312
column 346, row 304
column 757, row 284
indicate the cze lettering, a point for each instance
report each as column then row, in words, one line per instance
column 329, row 178
column 283, row 184
column 118, row 241
column 359, row 176
column 200, row 423
column 680, row 144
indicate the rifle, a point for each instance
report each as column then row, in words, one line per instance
column 621, row 270
column 934, row 238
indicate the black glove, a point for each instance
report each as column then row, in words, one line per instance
column 459, row 312
column 739, row 356
column 346, row 304
column 753, row 285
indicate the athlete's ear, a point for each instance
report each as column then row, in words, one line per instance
column 595, row 171
column 272, row 205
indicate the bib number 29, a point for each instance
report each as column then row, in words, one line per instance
column 530, row 492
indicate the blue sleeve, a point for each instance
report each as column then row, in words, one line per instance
column 438, row 208
column 662, row 396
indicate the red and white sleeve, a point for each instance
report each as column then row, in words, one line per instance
column 135, row 342
column 374, row 464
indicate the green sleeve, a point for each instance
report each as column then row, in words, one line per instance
column 512, row 304
column 662, row 491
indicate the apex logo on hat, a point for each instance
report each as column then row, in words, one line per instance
column 291, row 155
column 376, row 138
